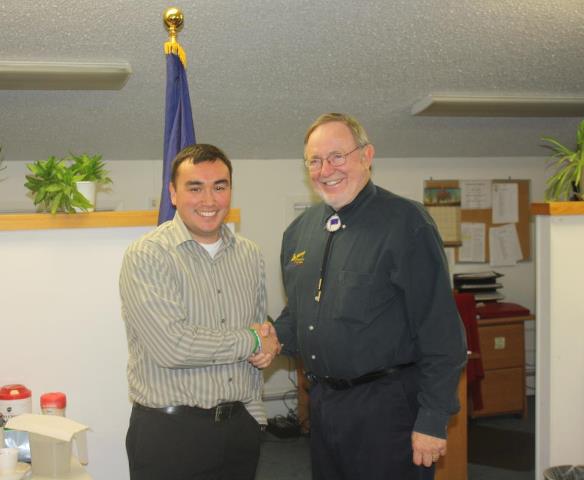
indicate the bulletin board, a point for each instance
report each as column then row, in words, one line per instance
column 485, row 215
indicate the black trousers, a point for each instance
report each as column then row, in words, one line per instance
column 161, row 446
column 365, row 432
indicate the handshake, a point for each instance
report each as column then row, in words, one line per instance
column 270, row 346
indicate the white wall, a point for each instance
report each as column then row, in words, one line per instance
column 560, row 338
column 264, row 190
column 62, row 329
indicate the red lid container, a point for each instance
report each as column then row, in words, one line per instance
column 53, row 400
column 14, row 392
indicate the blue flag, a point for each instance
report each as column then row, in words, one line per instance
column 179, row 131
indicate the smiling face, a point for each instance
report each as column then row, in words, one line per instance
column 202, row 197
column 338, row 186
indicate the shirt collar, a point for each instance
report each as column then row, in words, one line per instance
column 347, row 212
column 183, row 235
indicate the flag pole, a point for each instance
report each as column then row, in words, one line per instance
column 179, row 130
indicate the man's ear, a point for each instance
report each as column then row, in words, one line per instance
column 368, row 154
column 172, row 194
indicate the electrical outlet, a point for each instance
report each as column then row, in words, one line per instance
column 154, row 203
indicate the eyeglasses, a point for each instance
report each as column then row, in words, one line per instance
column 335, row 159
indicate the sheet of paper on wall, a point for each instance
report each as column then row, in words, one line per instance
column 448, row 222
column 473, row 242
column 475, row 194
column 505, row 203
column 504, row 247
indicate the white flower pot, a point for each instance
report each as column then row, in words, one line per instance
column 88, row 190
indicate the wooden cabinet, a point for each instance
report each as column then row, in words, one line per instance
column 454, row 466
column 502, row 343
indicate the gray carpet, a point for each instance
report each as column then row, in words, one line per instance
column 501, row 448
column 284, row 459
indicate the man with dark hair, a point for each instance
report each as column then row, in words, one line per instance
column 193, row 300
column 371, row 313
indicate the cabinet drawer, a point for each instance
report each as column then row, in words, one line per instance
column 503, row 392
column 502, row 346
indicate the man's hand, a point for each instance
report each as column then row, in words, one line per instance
column 427, row 449
column 269, row 338
column 270, row 345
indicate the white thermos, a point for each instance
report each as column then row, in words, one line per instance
column 14, row 400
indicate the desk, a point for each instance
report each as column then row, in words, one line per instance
column 502, row 343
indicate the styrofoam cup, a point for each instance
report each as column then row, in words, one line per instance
column 8, row 460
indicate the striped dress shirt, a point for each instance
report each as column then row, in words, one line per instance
column 187, row 319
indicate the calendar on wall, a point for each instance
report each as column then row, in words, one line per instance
column 442, row 201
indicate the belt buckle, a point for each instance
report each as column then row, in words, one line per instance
column 223, row 412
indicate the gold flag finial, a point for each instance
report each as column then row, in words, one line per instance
column 173, row 21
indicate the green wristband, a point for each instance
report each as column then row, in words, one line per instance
column 258, row 342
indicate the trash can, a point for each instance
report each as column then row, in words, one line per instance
column 564, row 472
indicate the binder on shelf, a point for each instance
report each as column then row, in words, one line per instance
column 488, row 297
column 478, row 287
column 476, row 276
column 483, row 285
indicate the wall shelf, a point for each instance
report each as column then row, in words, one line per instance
column 130, row 218
column 558, row 208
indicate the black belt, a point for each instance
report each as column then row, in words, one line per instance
column 346, row 383
column 223, row 411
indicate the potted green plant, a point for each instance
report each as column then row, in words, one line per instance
column 567, row 182
column 53, row 187
column 92, row 173
column 91, row 168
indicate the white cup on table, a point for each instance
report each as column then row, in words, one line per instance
column 8, row 460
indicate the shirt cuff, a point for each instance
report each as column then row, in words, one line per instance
column 245, row 343
column 431, row 423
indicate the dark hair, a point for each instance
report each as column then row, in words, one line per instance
column 199, row 153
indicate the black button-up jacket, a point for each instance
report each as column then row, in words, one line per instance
column 385, row 298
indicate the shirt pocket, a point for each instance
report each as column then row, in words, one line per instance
column 352, row 298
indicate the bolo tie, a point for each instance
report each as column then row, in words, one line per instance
column 333, row 224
